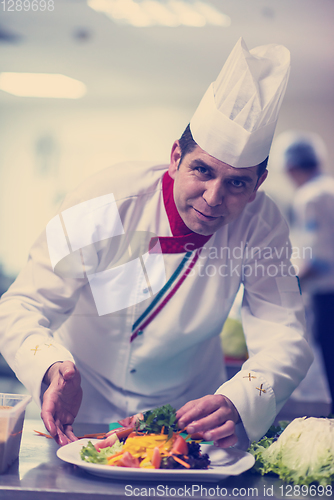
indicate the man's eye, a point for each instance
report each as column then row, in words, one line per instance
column 237, row 184
column 202, row 170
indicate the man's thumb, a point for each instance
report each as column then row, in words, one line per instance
column 67, row 370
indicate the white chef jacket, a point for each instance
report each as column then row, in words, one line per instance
column 313, row 210
column 47, row 316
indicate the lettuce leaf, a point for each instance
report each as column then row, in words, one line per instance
column 302, row 454
column 90, row 454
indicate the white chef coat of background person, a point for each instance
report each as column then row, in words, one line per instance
column 304, row 156
column 167, row 348
column 312, row 209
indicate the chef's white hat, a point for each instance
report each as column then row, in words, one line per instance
column 236, row 119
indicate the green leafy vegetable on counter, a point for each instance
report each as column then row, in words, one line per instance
column 302, row 454
column 91, row 455
column 156, row 420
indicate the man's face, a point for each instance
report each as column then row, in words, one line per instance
column 208, row 193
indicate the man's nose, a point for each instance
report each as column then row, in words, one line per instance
column 214, row 193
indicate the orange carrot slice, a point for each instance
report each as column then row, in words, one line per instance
column 177, row 459
column 43, row 434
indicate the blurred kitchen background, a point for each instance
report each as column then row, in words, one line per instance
column 140, row 68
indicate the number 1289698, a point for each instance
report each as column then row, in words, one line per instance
column 304, row 490
column 27, row 5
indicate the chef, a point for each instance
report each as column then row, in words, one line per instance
column 120, row 306
column 313, row 221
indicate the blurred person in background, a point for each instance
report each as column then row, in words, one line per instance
column 313, row 221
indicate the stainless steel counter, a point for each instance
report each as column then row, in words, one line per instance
column 40, row 475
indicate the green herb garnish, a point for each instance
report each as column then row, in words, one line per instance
column 156, row 420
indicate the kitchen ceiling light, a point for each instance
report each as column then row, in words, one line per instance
column 212, row 15
column 186, row 13
column 160, row 13
column 42, row 85
column 171, row 13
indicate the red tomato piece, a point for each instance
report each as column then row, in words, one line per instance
column 108, row 441
column 180, row 447
column 128, row 460
column 131, row 421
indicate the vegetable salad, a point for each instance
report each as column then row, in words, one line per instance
column 152, row 443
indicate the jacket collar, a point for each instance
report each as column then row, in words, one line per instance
column 183, row 239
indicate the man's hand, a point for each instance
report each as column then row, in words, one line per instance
column 61, row 401
column 214, row 416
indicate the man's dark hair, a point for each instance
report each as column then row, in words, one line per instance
column 302, row 155
column 262, row 167
column 187, row 145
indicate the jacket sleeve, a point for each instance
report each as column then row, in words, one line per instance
column 37, row 303
column 274, row 327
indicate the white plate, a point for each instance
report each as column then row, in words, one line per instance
column 227, row 462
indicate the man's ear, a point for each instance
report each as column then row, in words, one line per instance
column 175, row 157
column 258, row 184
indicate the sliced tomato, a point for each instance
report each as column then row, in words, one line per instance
column 104, row 443
column 131, row 421
column 156, row 458
column 126, row 421
column 128, row 460
column 113, row 431
column 180, row 447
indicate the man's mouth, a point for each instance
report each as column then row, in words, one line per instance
column 203, row 216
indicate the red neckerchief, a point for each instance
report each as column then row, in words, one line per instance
column 183, row 239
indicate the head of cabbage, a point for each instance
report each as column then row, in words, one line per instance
column 303, row 453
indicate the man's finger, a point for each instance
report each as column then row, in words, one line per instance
column 227, row 442
column 212, row 421
column 221, row 432
column 68, row 430
column 49, row 424
column 47, row 414
column 199, row 408
column 184, row 409
column 67, row 370
column 62, row 439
